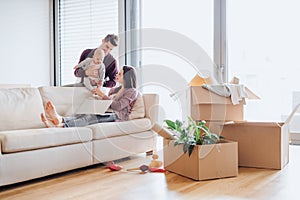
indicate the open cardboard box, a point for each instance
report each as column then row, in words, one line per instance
column 206, row 162
column 206, row 105
column 261, row 144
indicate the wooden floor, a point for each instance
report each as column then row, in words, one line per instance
column 97, row 182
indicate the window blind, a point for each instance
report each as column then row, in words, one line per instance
column 82, row 24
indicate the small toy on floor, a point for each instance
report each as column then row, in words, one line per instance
column 155, row 163
column 154, row 166
column 154, row 169
column 115, row 167
column 112, row 166
column 143, row 168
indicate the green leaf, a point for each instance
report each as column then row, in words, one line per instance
column 176, row 143
column 215, row 136
column 171, row 124
column 201, row 123
column 191, row 148
column 178, row 123
column 209, row 140
column 197, row 134
column 205, row 129
column 185, row 147
column 192, row 122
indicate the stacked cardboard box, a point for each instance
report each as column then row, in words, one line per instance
column 260, row 144
column 207, row 161
column 257, row 144
column 206, row 105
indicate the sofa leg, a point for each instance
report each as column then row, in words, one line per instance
column 149, row 153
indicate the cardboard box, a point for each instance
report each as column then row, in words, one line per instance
column 215, row 126
column 294, row 128
column 206, row 105
column 197, row 81
column 210, row 106
column 206, row 161
column 261, row 144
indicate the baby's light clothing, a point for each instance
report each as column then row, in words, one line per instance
column 87, row 63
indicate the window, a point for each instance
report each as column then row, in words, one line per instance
column 82, row 25
column 263, row 52
column 176, row 35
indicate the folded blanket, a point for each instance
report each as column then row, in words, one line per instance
column 221, row 90
column 235, row 91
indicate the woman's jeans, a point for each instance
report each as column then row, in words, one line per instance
column 88, row 119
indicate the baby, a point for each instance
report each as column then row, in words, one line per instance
column 97, row 60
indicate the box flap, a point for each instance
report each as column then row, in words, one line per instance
column 256, row 124
column 265, row 123
column 201, row 95
column 235, row 80
column 288, row 120
column 198, row 81
column 251, row 94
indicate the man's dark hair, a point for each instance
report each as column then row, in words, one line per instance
column 112, row 38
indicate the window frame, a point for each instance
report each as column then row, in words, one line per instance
column 127, row 38
column 55, row 49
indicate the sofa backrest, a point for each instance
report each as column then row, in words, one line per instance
column 9, row 86
column 66, row 99
column 20, row 108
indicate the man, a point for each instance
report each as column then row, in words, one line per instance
column 111, row 68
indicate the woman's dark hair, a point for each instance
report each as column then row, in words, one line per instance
column 129, row 76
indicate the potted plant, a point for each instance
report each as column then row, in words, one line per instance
column 209, row 156
column 194, row 133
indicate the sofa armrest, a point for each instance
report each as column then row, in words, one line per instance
column 151, row 102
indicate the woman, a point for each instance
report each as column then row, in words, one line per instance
column 123, row 97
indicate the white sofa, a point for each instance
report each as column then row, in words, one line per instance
column 29, row 150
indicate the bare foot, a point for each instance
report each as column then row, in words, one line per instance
column 49, row 124
column 52, row 114
column 44, row 120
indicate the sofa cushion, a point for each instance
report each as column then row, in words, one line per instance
column 112, row 129
column 22, row 140
column 66, row 99
column 138, row 109
column 20, row 109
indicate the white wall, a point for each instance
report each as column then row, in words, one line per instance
column 25, row 42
